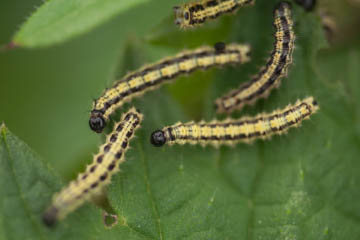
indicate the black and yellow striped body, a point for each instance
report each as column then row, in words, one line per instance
column 269, row 76
column 232, row 131
column 195, row 13
column 98, row 174
column 153, row 76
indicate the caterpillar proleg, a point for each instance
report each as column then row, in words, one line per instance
column 230, row 131
column 153, row 76
column 98, row 174
column 195, row 13
column 269, row 76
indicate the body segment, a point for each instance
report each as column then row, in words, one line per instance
column 269, row 76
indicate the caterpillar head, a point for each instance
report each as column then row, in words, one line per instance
column 182, row 16
column 158, row 138
column 97, row 122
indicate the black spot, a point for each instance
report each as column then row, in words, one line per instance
column 128, row 116
column 158, row 138
column 129, row 133
column 85, row 190
column 124, row 144
column 186, row 16
column 315, row 103
column 92, row 169
column 94, row 185
column 107, row 105
column 111, row 166
column 97, row 122
column 118, row 155
column 100, row 158
column 50, row 216
column 103, row 177
column 84, row 176
column 113, row 137
column 107, row 148
column 135, row 123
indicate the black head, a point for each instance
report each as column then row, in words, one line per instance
column 49, row 217
column 97, row 122
column 158, row 138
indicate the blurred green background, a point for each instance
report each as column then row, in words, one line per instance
column 46, row 94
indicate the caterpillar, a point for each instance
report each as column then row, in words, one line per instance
column 231, row 131
column 269, row 76
column 98, row 174
column 195, row 13
column 152, row 76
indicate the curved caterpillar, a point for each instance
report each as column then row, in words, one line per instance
column 233, row 131
column 98, row 174
column 194, row 13
column 153, row 76
column 277, row 66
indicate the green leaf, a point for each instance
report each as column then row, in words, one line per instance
column 26, row 186
column 57, row 21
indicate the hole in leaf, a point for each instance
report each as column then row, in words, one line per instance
column 110, row 220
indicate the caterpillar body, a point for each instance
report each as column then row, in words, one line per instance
column 269, row 76
column 233, row 131
column 153, row 76
column 195, row 13
column 98, row 174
